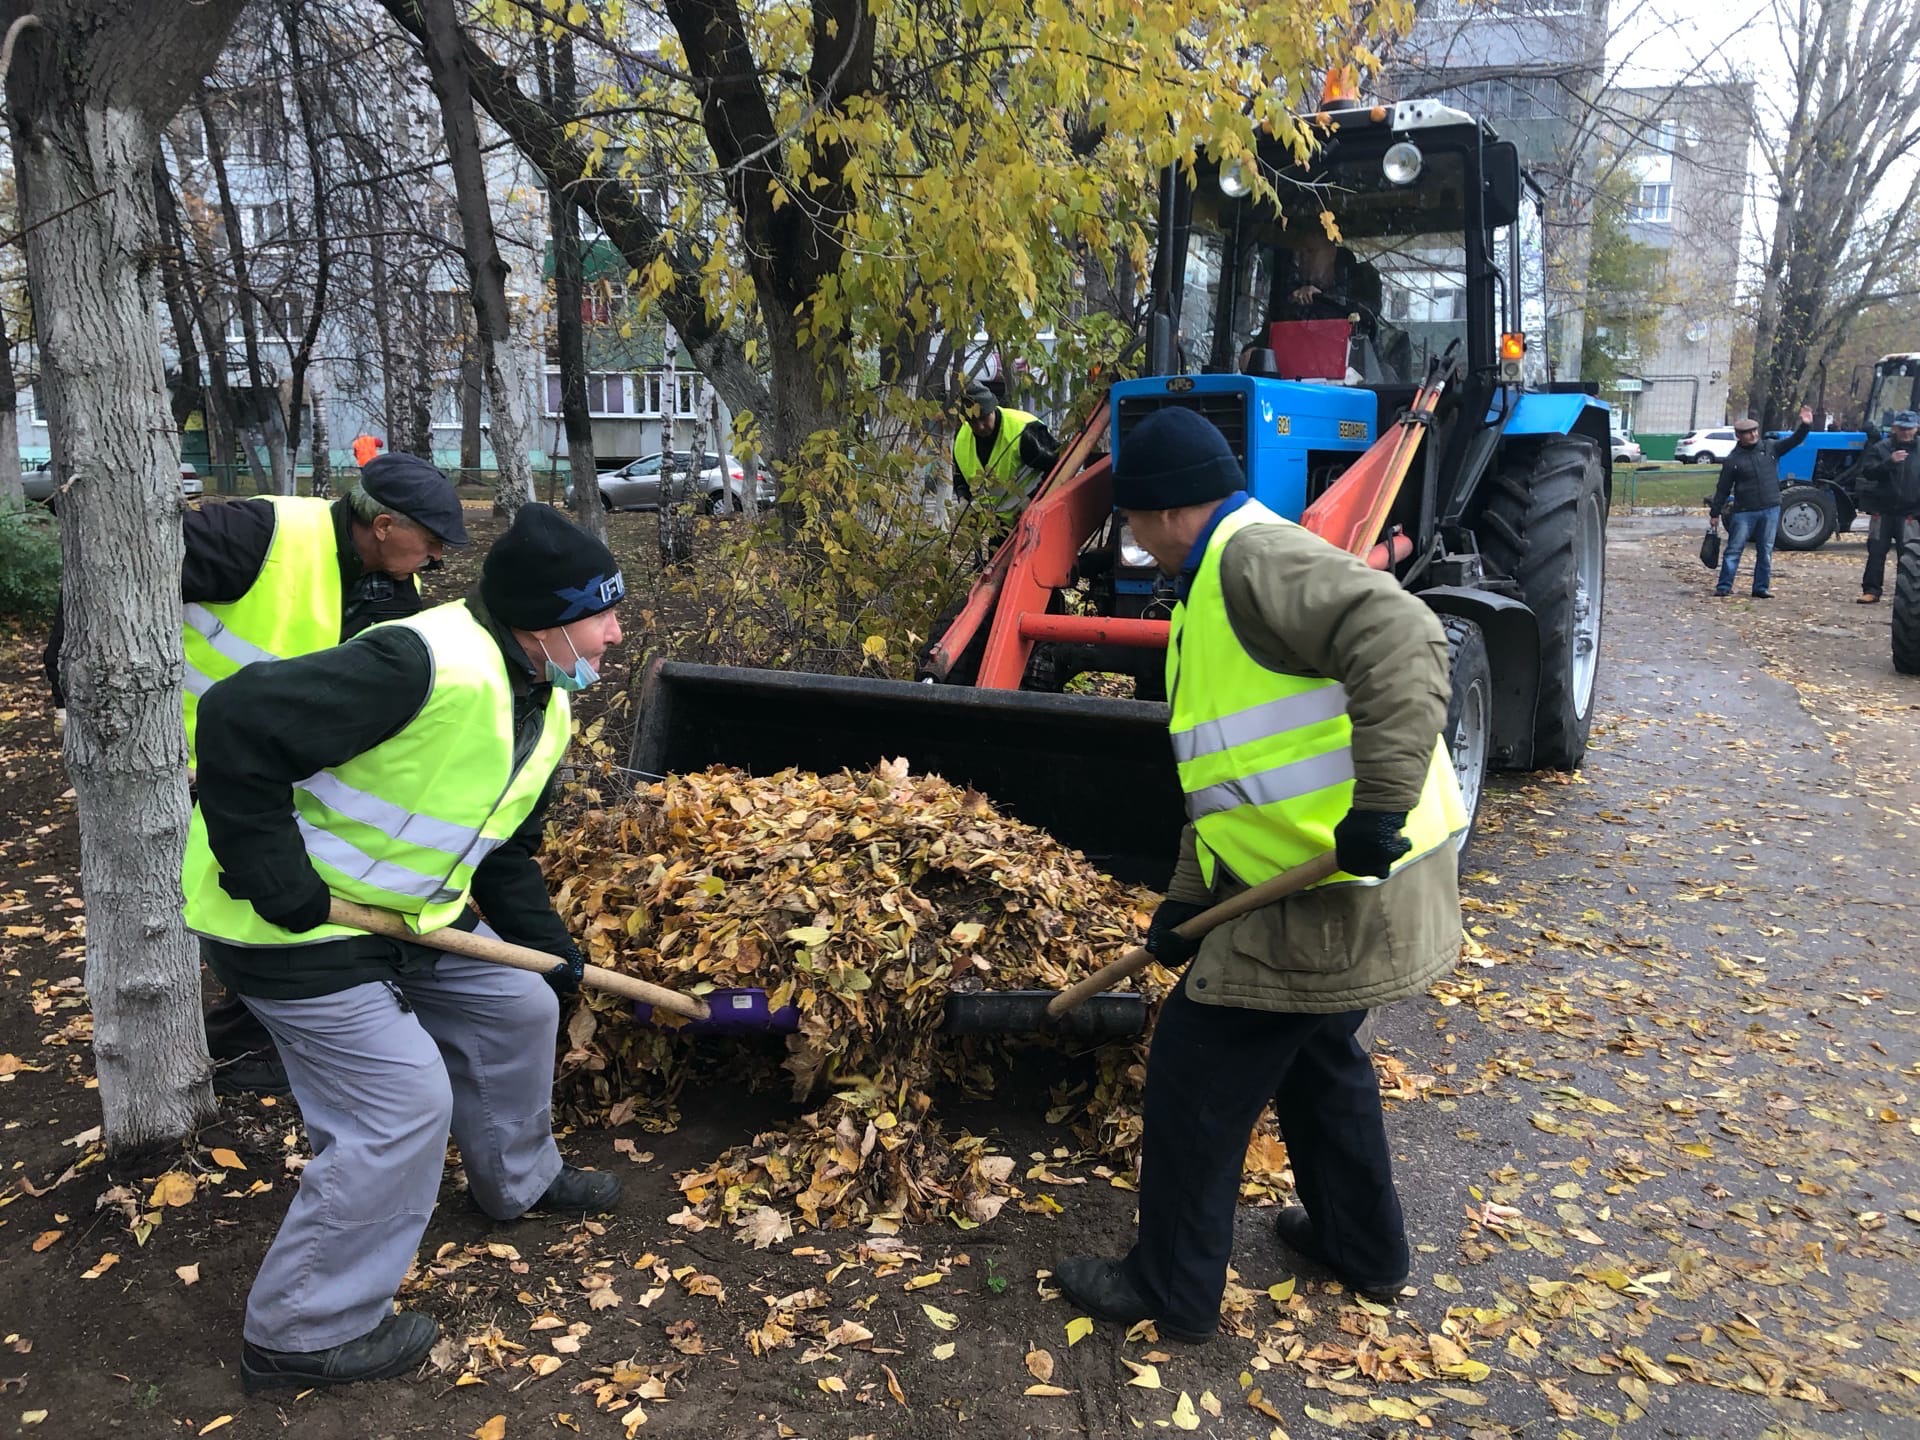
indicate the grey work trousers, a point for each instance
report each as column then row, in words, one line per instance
column 379, row 1083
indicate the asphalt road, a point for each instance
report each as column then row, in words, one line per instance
column 1674, row 1166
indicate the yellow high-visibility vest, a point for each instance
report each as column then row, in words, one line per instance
column 1002, row 463
column 404, row 825
column 292, row 608
column 1266, row 759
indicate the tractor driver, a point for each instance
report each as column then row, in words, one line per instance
column 1335, row 284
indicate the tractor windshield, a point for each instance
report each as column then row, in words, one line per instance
column 1345, row 243
column 1896, row 381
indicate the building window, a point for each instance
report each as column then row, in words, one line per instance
column 1653, row 205
column 686, row 393
column 611, row 394
column 262, row 224
column 602, row 304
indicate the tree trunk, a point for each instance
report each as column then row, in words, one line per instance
column 260, row 424
column 486, row 271
column 472, row 393
column 190, row 392
column 320, row 440
column 86, row 94
column 305, row 79
column 12, row 493
column 557, row 83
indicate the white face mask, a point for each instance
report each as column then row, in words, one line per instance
column 580, row 677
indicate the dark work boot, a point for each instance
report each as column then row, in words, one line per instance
column 1295, row 1229
column 1101, row 1288
column 581, row 1192
column 393, row 1347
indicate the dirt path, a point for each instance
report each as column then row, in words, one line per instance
column 1658, row 1150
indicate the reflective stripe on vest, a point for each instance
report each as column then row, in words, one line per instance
column 404, row 826
column 1003, row 462
column 292, row 608
column 1266, row 759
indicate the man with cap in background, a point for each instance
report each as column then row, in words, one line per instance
column 999, row 452
column 1749, row 492
column 1889, row 491
column 278, row 576
column 408, row 769
column 1308, row 694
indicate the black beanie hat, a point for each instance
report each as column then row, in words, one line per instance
column 1174, row 457
column 546, row 571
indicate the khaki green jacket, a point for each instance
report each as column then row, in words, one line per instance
column 1302, row 607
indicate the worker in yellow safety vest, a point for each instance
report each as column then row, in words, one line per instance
column 999, row 453
column 408, row 769
column 1308, row 693
column 277, row 576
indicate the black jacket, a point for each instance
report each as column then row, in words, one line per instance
column 1751, row 475
column 1886, row 486
column 226, row 544
column 278, row 722
column 1039, row 452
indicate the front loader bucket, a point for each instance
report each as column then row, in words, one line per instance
column 1094, row 772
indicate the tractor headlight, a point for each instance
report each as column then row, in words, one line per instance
column 1402, row 163
column 1236, row 178
column 1131, row 554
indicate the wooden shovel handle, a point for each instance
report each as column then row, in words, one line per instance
column 481, row 947
column 1286, row 883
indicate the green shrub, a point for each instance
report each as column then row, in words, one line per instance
column 29, row 564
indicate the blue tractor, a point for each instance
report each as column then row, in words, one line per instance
column 1387, row 296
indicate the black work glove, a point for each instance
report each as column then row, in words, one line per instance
column 565, row 977
column 1367, row 842
column 306, row 910
column 1169, row 948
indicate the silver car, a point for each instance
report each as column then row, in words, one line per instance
column 38, row 483
column 636, row 486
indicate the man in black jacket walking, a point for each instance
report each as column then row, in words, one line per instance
column 1749, row 491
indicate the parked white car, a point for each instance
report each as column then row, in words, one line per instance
column 1626, row 449
column 1704, row 447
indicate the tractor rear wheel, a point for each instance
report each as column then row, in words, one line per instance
column 1545, row 526
column 1469, row 732
column 1808, row 517
column 1906, row 606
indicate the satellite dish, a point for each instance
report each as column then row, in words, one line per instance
column 1696, row 332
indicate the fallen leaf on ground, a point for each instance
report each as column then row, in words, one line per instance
column 944, row 1352
column 189, row 1274
column 1185, row 1417
column 494, row 1428
column 174, row 1188
column 1078, row 1329
column 100, row 1267
column 1040, row 1365
column 46, row 1238
column 1147, row 1377
column 944, row 1319
column 226, row 1159
column 218, row 1422
column 1047, row 1392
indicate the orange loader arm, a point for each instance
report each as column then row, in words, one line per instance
column 1012, row 594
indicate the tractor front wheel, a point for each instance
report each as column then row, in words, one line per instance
column 1906, row 604
column 1545, row 527
column 1808, row 517
column 1469, row 732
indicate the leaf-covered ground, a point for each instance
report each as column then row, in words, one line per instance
column 1657, row 1139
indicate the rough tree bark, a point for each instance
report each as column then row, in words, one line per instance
column 88, row 90
column 557, row 87
column 486, row 271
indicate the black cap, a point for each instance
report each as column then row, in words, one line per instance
column 409, row 486
column 1174, row 457
column 546, row 571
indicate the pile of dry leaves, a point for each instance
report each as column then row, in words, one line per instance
column 861, row 900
